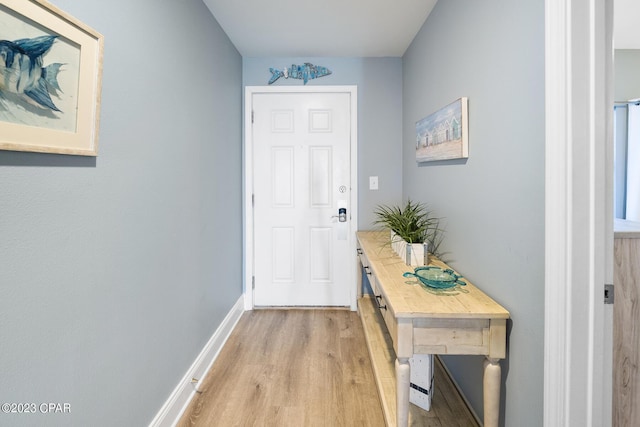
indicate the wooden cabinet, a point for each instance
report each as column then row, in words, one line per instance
column 626, row 325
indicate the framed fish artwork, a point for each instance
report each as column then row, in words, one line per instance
column 50, row 80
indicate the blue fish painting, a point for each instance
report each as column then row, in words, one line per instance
column 22, row 73
column 304, row 72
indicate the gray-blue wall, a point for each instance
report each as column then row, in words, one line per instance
column 116, row 270
column 627, row 70
column 379, row 82
column 493, row 203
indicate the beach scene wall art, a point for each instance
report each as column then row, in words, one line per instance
column 443, row 135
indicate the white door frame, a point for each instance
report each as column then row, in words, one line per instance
column 248, row 181
column 579, row 212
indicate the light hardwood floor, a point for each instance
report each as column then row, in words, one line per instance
column 296, row 368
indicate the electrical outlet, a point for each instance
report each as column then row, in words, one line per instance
column 373, row 183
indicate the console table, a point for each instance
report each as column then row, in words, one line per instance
column 462, row 320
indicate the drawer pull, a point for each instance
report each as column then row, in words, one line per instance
column 379, row 300
column 367, row 270
column 359, row 251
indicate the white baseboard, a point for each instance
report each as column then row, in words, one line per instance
column 174, row 407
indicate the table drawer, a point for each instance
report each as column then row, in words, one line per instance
column 388, row 317
column 367, row 269
column 373, row 281
column 452, row 336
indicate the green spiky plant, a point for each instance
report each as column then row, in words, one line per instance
column 413, row 222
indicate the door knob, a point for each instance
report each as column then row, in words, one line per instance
column 342, row 215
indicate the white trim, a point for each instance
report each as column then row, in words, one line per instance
column 248, row 180
column 556, row 332
column 576, row 211
column 174, row 407
column 607, row 365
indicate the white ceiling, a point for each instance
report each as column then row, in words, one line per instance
column 352, row 28
column 626, row 24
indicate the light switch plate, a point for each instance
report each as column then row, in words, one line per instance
column 373, row 183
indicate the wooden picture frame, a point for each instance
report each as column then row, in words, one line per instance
column 443, row 135
column 50, row 80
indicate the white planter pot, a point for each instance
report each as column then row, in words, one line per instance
column 413, row 254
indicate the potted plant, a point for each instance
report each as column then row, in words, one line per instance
column 414, row 231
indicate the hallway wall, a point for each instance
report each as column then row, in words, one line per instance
column 493, row 202
column 116, row 270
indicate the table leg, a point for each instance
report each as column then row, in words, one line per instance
column 403, row 376
column 491, row 390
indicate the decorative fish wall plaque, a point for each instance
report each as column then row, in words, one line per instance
column 22, row 73
column 304, row 72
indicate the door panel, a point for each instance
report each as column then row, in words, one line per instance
column 282, row 159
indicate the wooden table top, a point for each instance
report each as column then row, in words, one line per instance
column 408, row 299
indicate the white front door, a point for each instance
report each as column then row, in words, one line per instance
column 302, row 185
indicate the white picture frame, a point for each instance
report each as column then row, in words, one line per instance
column 59, row 110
